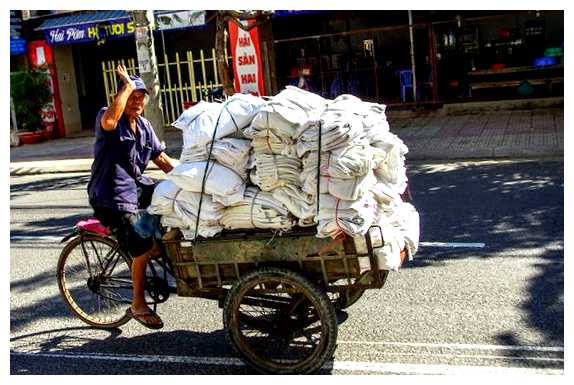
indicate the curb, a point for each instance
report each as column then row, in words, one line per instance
column 56, row 167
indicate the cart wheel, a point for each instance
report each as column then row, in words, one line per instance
column 280, row 322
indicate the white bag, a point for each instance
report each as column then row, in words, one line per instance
column 198, row 122
column 221, row 182
column 230, row 152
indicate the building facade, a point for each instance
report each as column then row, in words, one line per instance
column 402, row 59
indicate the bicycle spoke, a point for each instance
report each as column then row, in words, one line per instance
column 96, row 280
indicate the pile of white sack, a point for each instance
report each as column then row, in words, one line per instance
column 266, row 157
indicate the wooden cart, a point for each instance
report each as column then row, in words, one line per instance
column 279, row 293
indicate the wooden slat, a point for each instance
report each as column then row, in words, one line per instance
column 191, row 68
column 203, row 72
column 169, row 89
column 106, row 86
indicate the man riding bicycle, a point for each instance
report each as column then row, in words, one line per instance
column 125, row 143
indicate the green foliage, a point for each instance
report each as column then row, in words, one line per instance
column 30, row 92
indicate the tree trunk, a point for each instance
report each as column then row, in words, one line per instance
column 222, row 66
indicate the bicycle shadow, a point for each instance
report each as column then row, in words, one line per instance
column 177, row 352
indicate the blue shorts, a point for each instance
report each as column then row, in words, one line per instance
column 134, row 231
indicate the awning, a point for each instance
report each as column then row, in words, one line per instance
column 100, row 26
column 82, row 18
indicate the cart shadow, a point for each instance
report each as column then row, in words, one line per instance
column 178, row 352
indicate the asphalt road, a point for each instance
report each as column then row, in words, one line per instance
column 453, row 310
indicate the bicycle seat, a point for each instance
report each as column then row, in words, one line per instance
column 94, row 226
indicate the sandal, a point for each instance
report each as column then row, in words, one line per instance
column 143, row 318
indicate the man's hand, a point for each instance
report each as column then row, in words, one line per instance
column 110, row 118
column 125, row 77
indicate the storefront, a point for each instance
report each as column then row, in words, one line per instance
column 456, row 56
column 83, row 42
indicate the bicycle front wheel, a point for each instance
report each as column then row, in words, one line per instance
column 94, row 279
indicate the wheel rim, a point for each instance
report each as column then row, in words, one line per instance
column 282, row 329
column 96, row 283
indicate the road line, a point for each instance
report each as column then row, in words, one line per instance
column 32, row 238
column 387, row 368
column 478, row 245
column 481, row 356
column 460, row 346
column 422, row 369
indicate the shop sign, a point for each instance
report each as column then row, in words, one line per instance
column 100, row 32
column 17, row 44
column 89, row 32
column 181, row 19
column 246, row 54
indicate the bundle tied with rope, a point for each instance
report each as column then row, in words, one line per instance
column 295, row 159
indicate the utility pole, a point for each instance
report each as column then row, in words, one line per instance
column 147, row 62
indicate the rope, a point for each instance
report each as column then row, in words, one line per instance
column 231, row 116
column 251, row 209
column 319, row 169
column 267, row 128
column 339, row 228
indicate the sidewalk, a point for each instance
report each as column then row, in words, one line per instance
column 455, row 132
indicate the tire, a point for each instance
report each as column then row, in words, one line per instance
column 99, row 298
column 289, row 333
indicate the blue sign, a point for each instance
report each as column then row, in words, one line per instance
column 17, row 44
column 90, row 32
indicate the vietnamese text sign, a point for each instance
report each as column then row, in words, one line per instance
column 120, row 28
column 89, row 32
column 246, row 53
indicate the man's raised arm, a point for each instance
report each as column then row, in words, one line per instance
column 112, row 115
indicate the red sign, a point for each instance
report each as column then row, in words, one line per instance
column 246, row 54
column 40, row 55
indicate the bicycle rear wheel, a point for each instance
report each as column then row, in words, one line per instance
column 94, row 279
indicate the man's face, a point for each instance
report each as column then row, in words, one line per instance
column 136, row 103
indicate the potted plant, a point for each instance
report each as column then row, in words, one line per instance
column 30, row 92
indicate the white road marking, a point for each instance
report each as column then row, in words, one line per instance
column 460, row 346
column 31, row 238
column 422, row 369
column 478, row 245
column 387, row 368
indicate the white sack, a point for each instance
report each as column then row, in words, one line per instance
column 230, row 152
column 272, row 171
column 300, row 204
column 224, row 184
column 345, row 189
column 198, row 122
column 351, row 217
column 258, row 209
column 163, row 198
column 345, row 162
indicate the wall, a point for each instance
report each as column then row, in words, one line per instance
column 68, row 90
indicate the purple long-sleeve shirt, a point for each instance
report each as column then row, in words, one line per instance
column 120, row 158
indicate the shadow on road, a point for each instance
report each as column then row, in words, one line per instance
column 183, row 352
column 511, row 207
